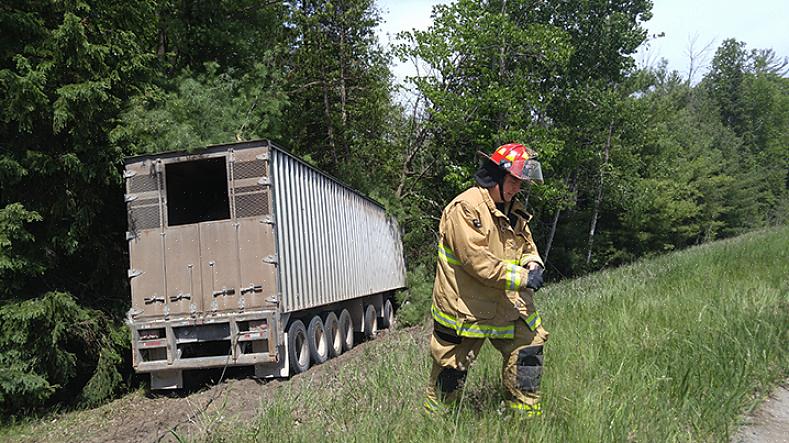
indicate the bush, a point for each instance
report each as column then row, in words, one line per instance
column 415, row 301
column 51, row 348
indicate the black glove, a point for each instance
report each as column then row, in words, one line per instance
column 535, row 279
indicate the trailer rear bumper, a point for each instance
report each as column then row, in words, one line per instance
column 206, row 362
column 220, row 340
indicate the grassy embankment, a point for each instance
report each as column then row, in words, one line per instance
column 672, row 348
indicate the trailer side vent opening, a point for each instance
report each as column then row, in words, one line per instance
column 197, row 191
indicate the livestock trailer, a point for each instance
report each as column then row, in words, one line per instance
column 244, row 255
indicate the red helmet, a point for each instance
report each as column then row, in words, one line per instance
column 518, row 160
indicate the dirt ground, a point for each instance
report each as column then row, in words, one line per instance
column 145, row 417
column 770, row 422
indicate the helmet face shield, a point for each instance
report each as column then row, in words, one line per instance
column 518, row 160
column 530, row 170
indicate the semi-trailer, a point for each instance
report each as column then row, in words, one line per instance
column 244, row 255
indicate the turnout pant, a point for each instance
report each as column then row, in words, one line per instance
column 521, row 369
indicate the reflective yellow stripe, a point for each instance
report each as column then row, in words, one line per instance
column 447, row 255
column 513, row 277
column 534, row 320
column 444, row 319
column 433, row 406
column 530, row 410
column 474, row 330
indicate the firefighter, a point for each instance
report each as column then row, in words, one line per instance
column 488, row 269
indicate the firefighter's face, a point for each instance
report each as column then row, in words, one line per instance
column 512, row 186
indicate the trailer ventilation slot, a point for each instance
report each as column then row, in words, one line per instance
column 143, row 183
column 144, row 217
column 252, row 205
column 197, row 191
column 249, row 169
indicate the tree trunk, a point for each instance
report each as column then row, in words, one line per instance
column 599, row 198
column 343, row 98
column 501, row 118
column 556, row 217
column 327, row 115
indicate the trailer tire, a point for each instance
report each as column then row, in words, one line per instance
column 317, row 341
column 387, row 321
column 346, row 330
column 370, row 323
column 298, row 349
column 333, row 334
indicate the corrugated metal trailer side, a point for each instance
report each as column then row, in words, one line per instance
column 243, row 255
column 333, row 243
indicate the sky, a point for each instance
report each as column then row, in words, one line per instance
column 759, row 23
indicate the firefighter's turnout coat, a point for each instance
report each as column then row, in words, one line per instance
column 480, row 293
column 481, row 268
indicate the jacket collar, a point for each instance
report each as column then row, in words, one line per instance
column 517, row 208
column 490, row 203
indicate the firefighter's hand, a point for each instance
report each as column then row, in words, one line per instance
column 535, row 279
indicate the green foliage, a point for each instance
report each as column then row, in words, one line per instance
column 206, row 108
column 415, row 301
column 66, row 71
column 112, row 368
column 338, row 87
column 17, row 252
column 231, row 33
column 49, row 344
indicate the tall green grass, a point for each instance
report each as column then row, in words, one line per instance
column 669, row 349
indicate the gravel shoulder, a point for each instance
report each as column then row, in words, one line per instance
column 770, row 421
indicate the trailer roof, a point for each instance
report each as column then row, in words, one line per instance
column 244, row 145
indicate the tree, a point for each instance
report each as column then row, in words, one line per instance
column 338, row 83
column 66, row 70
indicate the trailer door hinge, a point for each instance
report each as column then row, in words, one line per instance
column 270, row 259
column 268, row 219
column 130, row 235
column 264, row 181
column 130, row 198
column 129, row 174
column 263, row 156
column 131, row 273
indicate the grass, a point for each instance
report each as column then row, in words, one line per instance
column 674, row 348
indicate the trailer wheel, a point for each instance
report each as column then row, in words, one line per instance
column 388, row 318
column 332, row 327
column 370, row 322
column 316, row 338
column 298, row 350
column 346, row 330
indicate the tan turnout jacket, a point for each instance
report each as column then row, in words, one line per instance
column 481, row 268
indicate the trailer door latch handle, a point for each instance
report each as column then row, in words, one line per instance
column 153, row 299
column 224, row 291
column 181, row 296
column 252, row 288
